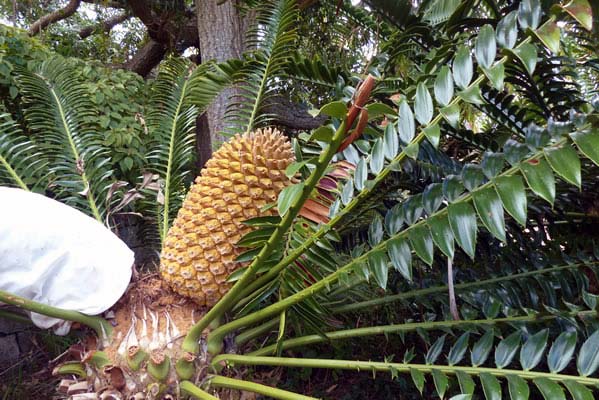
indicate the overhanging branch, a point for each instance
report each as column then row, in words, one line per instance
column 54, row 16
column 104, row 26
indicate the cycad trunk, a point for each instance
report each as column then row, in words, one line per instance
column 221, row 29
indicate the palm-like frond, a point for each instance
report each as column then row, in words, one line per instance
column 22, row 163
column 171, row 123
column 59, row 112
column 272, row 38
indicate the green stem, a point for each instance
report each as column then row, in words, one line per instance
column 13, row 174
column 459, row 287
column 189, row 388
column 101, row 326
column 222, row 381
column 15, row 317
column 215, row 338
column 250, row 334
column 191, row 340
column 275, row 270
column 408, row 327
column 370, row 366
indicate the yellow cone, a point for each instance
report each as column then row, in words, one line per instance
column 243, row 176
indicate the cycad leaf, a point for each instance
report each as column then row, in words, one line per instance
column 462, row 219
column 57, row 107
column 22, row 163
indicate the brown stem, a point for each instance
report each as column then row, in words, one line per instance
column 54, row 16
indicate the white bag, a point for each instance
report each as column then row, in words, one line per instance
column 56, row 255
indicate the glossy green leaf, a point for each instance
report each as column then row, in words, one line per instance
column 378, row 266
column 513, row 196
column 549, row 34
column 496, row 75
column 518, row 388
column 561, row 351
column 565, row 163
column 466, row 382
column 462, row 219
column 444, row 86
column 376, row 110
column 588, row 355
column 581, row 11
column 533, row 350
column 507, row 349
column 472, row 176
column 335, row 109
column 442, row 234
column 294, row 168
column 412, row 209
column 347, row 193
column 422, row 243
column 288, row 197
column 377, row 160
column 435, row 351
column 463, row 396
column 401, row 257
column 412, row 150
column 491, row 386
column 418, row 379
column 527, row 54
column 529, row 14
column 432, row 197
column 490, row 210
column 391, row 142
column 537, row 136
column 588, row 143
column 452, row 188
column 507, row 30
column 482, row 348
column 486, row 46
column 433, row 134
column 458, row 350
column 451, row 114
column 515, row 151
column 423, row 104
column 578, row 391
column 375, row 230
column 322, row 134
column 462, row 67
column 441, row 382
column 472, row 95
column 540, row 179
column 550, row 389
column 492, row 164
column 394, row 219
column 361, row 174
column 406, row 124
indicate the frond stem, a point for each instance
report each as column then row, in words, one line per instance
column 371, row 366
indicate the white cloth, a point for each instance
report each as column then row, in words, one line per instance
column 56, row 255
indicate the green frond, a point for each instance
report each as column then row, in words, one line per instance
column 171, row 123
column 61, row 116
column 22, row 162
column 272, row 41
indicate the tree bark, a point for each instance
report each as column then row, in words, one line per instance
column 221, row 30
column 57, row 15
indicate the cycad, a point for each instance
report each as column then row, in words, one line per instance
column 468, row 220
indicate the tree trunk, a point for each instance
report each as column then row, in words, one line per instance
column 221, row 30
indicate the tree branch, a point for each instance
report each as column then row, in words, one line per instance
column 54, row 16
column 146, row 58
column 109, row 4
column 291, row 115
column 104, row 26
